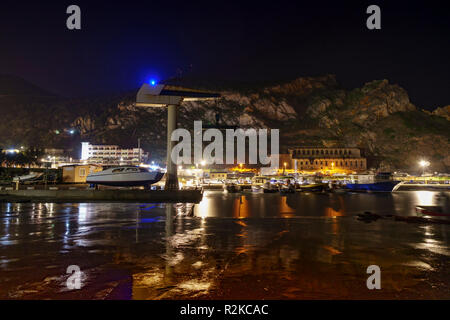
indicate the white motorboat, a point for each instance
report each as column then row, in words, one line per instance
column 28, row 177
column 124, row 176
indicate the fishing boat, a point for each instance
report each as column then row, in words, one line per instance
column 270, row 188
column 287, row 189
column 124, row 176
column 232, row 188
column 257, row 188
column 381, row 182
column 314, row 187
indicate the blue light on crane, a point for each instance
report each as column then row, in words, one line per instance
column 153, row 82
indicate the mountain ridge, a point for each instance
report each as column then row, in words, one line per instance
column 378, row 117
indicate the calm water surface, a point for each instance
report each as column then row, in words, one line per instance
column 229, row 246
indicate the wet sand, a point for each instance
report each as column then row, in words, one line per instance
column 230, row 246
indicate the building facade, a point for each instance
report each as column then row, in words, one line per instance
column 78, row 173
column 56, row 157
column 112, row 154
column 327, row 159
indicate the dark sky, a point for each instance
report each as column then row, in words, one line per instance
column 124, row 43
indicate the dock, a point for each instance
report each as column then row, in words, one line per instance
column 143, row 196
column 424, row 187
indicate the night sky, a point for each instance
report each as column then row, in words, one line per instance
column 124, row 43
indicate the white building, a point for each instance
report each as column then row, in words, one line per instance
column 111, row 154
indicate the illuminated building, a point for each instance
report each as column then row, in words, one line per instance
column 111, row 154
column 326, row 159
column 77, row 173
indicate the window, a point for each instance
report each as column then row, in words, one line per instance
column 82, row 172
column 117, row 170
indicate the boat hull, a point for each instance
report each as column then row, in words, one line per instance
column 385, row 186
column 232, row 189
column 434, row 211
column 270, row 190
column 316, row 187
column 125, row 179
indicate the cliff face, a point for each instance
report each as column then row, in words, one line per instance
column 379, row 118
column 442, row 112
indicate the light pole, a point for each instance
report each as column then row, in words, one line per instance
column 424, row 164
column 171, row 97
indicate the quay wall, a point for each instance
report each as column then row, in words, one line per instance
column 190, row 196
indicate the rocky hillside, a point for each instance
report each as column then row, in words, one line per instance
column 379, row 118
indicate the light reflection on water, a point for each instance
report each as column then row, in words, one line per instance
column 274, row 246
column 250, row 205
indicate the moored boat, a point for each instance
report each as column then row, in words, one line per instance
column 124, row 176
column 442, row 209
column 232, row 188
column 257, row 188
column 314, row 187
column 287, row 189
column 270, row 188
column 381, row 182
column 434, row 211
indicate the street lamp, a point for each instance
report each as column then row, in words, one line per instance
column 424, row 164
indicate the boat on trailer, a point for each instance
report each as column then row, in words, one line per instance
column 124, row 177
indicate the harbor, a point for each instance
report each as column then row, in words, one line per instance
column 229, row 246
column 308, row 226
column 224, row 157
